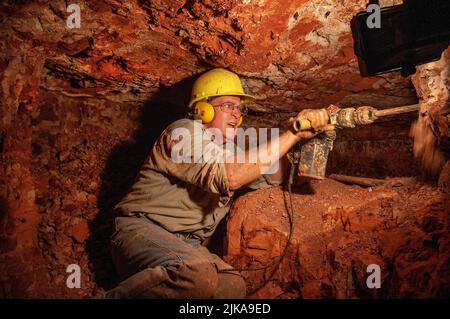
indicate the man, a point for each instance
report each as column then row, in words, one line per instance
column 174, row 205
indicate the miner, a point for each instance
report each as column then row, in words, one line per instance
column 175, row 205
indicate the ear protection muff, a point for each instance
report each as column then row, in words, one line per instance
column 239, row 121
column 204, row 112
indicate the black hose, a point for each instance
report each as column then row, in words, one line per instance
column 290, row 212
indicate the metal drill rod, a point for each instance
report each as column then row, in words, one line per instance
column 397, row 110
column 303, row 124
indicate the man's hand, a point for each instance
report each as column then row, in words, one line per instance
column 239, row 174
column 318, row 119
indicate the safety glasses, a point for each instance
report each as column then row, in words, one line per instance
column 229, row 107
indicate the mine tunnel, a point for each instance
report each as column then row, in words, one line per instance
column 88, row 87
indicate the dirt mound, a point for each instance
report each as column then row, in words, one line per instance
column 402, row 226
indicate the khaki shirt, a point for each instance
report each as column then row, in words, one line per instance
column 182, row 197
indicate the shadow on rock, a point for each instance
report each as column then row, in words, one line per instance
column 122, row 166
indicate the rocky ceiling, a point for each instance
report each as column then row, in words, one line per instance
column 291, row 54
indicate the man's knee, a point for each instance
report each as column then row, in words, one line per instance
column 193, row 279
column 230, row 286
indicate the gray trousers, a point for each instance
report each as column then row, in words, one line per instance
column 154, row 263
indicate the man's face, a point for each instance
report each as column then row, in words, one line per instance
column 226, row 121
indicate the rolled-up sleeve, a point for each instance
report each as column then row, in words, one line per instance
column 264, row 181
column 191, row 158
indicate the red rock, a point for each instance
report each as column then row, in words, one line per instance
column 444, row 178
column 79, row 230
column 431, row 132
column 332, row 247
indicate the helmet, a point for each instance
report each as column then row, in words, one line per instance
column 216, row 82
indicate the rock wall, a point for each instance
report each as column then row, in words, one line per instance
column 401, row 226
column 431, row 131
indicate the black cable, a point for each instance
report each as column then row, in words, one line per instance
column 277, row 261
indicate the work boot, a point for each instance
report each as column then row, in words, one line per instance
column 138, row 285
column 187, row 280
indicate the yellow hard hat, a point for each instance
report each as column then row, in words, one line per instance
column 217, row 82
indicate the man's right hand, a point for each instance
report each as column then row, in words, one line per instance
column 318, row 119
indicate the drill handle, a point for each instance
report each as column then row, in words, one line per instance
column 302, row 125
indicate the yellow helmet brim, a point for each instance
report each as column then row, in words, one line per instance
column 218, row 82
column 245, row 98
